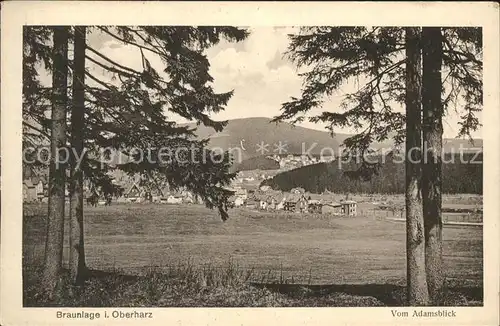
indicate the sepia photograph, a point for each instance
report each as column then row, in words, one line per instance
column 248, row 165
column 215, row 165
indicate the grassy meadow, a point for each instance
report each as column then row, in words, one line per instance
column 253, row 259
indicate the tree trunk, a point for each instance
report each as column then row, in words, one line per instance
column 57, row 170
column 417, row 292
column 77, row 265
column 433, row 144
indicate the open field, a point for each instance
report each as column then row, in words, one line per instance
column 456, row 208
column 183, row 255
column 311, row 250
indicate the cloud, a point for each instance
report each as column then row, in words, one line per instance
column 255, row 69
column 128, row 56
column 260, row 77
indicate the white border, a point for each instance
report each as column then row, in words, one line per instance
column 16, row 14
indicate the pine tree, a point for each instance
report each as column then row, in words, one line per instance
column 57, row 173
column 131, row 112
column 77, row 265
column 432, row 162
column 36, row 98
column 373, row 60
column 135, row 118
column 417, row 291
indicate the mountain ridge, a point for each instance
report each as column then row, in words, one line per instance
column 247, row 134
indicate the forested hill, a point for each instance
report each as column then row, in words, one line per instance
column 459, row 176
column 248, row 133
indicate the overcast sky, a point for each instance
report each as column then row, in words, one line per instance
column 261, row 77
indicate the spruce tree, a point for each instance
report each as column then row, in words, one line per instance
column 373, row 59
column 432, row 159
column 57, row 173
column 417, row 291
column 77, row 265
column 129, row 111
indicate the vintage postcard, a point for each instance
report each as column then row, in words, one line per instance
column 247, row 163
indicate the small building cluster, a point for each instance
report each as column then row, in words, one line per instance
column 138, row 192
column 35, row 185
column 294, row 201
column 291, row 161
column 35, row 189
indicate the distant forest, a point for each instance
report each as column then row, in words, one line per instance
column 256, row 163
column 463, row 176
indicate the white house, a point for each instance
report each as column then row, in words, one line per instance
column 174, row 200
column 238, row 202
column 280, row 206
column 271, row 203
column 240, row 192
column 39, row 187
column 264, row 188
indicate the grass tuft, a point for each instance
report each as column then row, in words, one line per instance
column 186, row 285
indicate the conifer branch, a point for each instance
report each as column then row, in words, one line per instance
column 42, row 132
column 112, row 61
column 109, row 68
column 128, row 42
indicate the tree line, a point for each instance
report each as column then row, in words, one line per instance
column 126, row 109
column 429, row 71
column 458, row 177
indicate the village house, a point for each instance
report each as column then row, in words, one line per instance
column 275, row 200
column 236, row 201
column 264, row 188
column 41, row 186
column 262, row 200
column 29, row 192
column 89, row 191
column 331, row 208
column 327, row 159
column 296, row 203
column 134, row 193
column 241, row 193
column 35, row 188
column 35, row 185
column 280, row 202
column 231, row 201
column 314, row 206
column 137, row 191
column 248, row 188
column 252, row 203
column 349, row 208
column 267, row 200
column 297, row 191
column 158, row 192
column 172, row 199
column 179, row 196
column 271, row 203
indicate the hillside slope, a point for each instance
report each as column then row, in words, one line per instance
column 461, row 176
column 244, row 136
